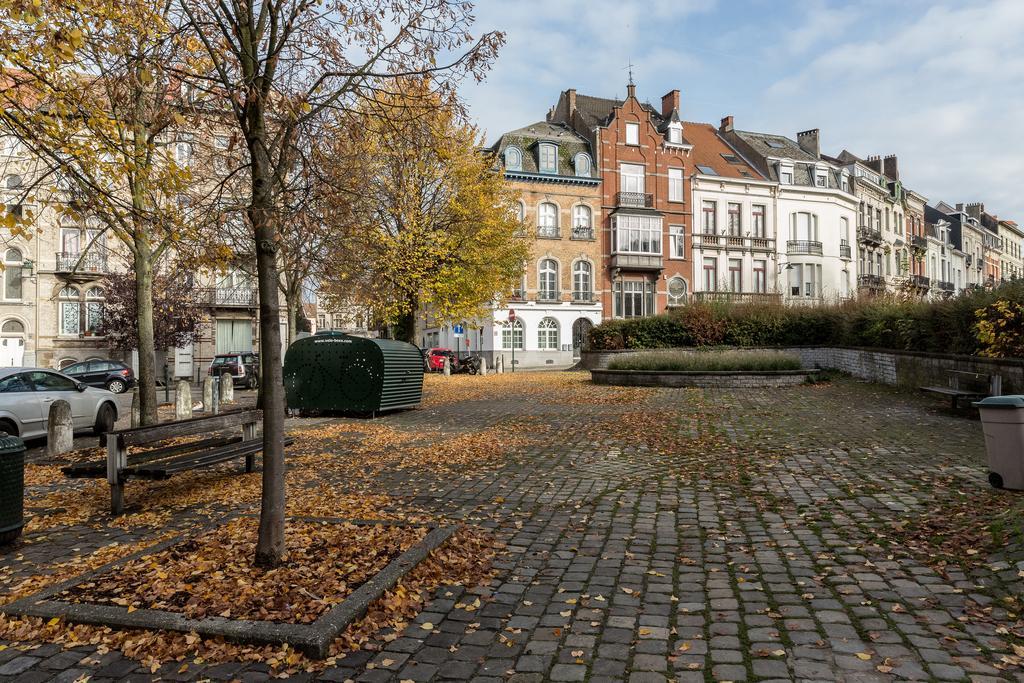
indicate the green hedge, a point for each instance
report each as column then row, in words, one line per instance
column 884, row 322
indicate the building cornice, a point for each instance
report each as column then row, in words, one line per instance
column 551, row 178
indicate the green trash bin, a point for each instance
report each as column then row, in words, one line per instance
column 12, row 487
column 336, row 372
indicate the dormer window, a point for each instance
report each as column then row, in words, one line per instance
column 846, row 182
column 786, row 173
column 582, row 165
column 820, row 177
column 513, row 159
column 547, row 158
column 675, row 134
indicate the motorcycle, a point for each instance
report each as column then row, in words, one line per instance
column 470, row 364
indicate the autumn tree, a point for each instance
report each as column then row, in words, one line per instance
column 435, row 226
column 277, row 64
column 88, row 89
column 177, row 314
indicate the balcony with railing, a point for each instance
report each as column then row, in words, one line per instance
column 640, row 200
column 845, row 251
column 77, row 263
column 517, row 295
column 712, row 241
column 549, row 231
column 871, row 282
column 919, row 242
column 582, row 232
column 739, row 297
column 762, row 244
column 229, row 297
column 944, row 286
column 707, row 239
column 869, row 235
column 803, row 247
column 921, row 281
column 547, row 295
column 582, row 296
column 734, row 241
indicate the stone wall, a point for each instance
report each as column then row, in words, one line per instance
column 906, row 369
column 718, row 380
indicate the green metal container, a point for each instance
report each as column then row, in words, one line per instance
column 332, row 371
column 12, row 487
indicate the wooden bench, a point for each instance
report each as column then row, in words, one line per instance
column 165, row 462
column 968, row 385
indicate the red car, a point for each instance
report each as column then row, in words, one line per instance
column 435, row 359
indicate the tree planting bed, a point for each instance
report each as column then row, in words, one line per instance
column 703, row 378
column 204, row 582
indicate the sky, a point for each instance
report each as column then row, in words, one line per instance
column 939, row 84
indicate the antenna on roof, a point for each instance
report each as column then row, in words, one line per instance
column 630, row 66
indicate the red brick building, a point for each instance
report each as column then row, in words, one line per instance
column 644, row 160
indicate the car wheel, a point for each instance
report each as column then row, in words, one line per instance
column 105, row 419
column 117, row 386
column 9, row 427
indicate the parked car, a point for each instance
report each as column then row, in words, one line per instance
column 112, row 375
column 26, row 395
column 244, row 368
column 436, row 356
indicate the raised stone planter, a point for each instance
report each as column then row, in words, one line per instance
column 703, row 379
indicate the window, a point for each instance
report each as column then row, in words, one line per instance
column 844, row 230
column 582, row 222
column 774, row 144
column 846, row 183
column 735, row 223
column 786, row 177
column 709, row 211
column 512, row 335
column 547, row 334
column 760, row 276
column 675, row 134
column 183, row 153
column 633, row 298
column 631, row 178
column 582, row 164
column 513, row 159
column 50, row 381
column 730, row 158
column 547, row 224
column 757, row 214
column 675, row 185
column 804, row 227
column 548, row 280
column 636, row 234
column 521, row 211
column 13, row 264
column 735, row 275
column 70, row 311
column 804, row 280
column 582, row 279
column 676, row 291
column 548, row 158
column 710, row 274
column 676, row 242
column 14, row 384
column 94, row 298
column 632, row 133
column 706, row 170
column 820, row 178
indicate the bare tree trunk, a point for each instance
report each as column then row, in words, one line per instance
column 270, row 546
column 144, row 329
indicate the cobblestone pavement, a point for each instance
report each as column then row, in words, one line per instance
column 765, row 554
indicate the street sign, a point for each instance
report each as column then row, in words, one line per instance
column 459, row 330
column 511, row 315
column 467, row 342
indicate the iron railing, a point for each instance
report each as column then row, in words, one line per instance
column 547, row 231
column 582, row 296
column 583, row 232
column 845, row 251
column 739, row 297
column 636, row 199
column 871, row 281
column 869, row 235
column 803, row 247
column 945, row 286
column 77, row 262
column 243, row 297
column 922, row 281
column 547, row 295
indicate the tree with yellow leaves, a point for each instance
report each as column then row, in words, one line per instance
column 433, row 225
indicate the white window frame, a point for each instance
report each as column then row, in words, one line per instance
column 548, row 334
column 675, row 185
column 581, row 164
column 544, row 163
column 633, row 134
column 13, row 266
column 582, row 281
column 547, row 219
column 547, row 280
column 631, row 233
column 677, row 242
column 513, row 158
column 632, row 178
column 513, row 335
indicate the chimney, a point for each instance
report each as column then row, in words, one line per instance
column 875, row 163
column 669, row 103
column 960, row 207
column 975, row 209
column 571, row 96
column 630, row 91
column 726, row 125
column 890, row 168
column 808, row 141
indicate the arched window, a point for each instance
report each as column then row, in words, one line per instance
column 582, row 164
column 70, row 311
column 13, row 263
column 547, row 289
column 94, row 298
column 12, row 327
column 676, row 291
column 582, row 281
column 520, row 211
column 582, row 222
column 547, row 334
column 512, row 335
column 65, row 362
column 513, row 159
column 547, row 220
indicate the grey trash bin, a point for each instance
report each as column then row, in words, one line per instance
column 1002, row 419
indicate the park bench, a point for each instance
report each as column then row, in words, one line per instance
column 166, row 461
column 968, row 385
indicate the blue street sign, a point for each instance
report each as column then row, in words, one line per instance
column 459, row 331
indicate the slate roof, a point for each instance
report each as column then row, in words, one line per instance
column 763, row 146
column 527, row 138
column 933, row 216
column 597, row 111
column 708, row 148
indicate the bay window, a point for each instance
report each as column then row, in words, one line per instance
column 636, row 234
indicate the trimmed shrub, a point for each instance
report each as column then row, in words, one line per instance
column 707, row 361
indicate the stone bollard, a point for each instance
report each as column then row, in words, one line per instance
column 183, row 401
column 60, row 429
column 208, row 392
column 227, row 388
column 215, row 401
column 499, row 367
column 483, row 366
column 136, row 408
column 447, row 367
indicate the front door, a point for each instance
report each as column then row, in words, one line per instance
column 580, row 334
column 12, row 351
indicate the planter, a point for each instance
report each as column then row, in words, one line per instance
column 704, row 379
column 12, row 487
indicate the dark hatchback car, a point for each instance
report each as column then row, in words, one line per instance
column 112, row 375
column 244, row 368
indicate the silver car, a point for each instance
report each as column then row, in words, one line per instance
column 26, row 395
